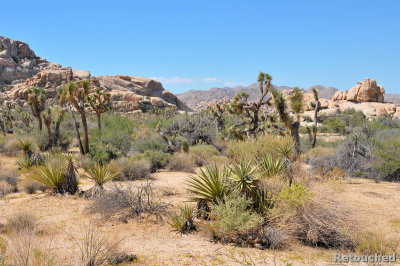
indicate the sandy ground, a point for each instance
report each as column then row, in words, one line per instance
column 376, row 205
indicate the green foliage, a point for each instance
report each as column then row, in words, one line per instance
column 101, row 173
column 149, row 143
column 233, row 216
column 280, row 105
column 51, row 173
column 290, row 198
column 244, row 176
column 183, row 222
column 25, row 162
column 208, row 185
column 185, row 146
column 335, row 125
column 296, row 101
column 269, row 167
column 116, row 138
column 158, row 159
column 181, row 162
column 205, row 154
column 387, row 153
column 25, row 145
column 131, row 168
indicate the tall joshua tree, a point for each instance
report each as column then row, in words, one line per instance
column 36, row 100
column 58, row 115
column 290, row 122
column 100, row 101
column 250, row 111
column 77, row 96
column 312, row 133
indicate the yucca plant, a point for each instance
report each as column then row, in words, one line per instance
column 51, row 174
column 268, row 166
column 244, row 176
column 183, row 222
column 285, row 151
column 208, row 185
column 25, row 162
column 100, row 174
column 26, row 146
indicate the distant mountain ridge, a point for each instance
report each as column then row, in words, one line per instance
column 200, row 99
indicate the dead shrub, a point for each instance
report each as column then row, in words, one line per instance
column 181, row 162
column 22, row 222
column 30, row 186
column 319, row 224
column 123, row 203
column 5, row 188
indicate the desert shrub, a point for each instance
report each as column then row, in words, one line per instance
column 319, row 224
column 209, row 185
column 157, row 159
column 155, row 143
column 185, row 146
column 250, row 149
column 25, row 145
column 335, row 125
column 232, row 216
column 131, row 169
column 376, row 243
column 21, row 221
column 95, row 249
column 387, row 154
column 129, row 202
column 9, row 145
column 181, row 162
column 9, row 176
column 31, row 186
column 195, row 128
column 183, row 222
column 41, row 139
column 243, row 176
column 5, row 188
column 83, row 161
column 204, row 154
column 116, row 138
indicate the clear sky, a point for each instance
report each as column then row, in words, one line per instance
column 203, row 44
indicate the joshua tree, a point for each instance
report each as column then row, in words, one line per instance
column 8, row 107
column 217, row 111
column 250, row 111
column 291, row 123
column 58, row 115
column 36, row 100
column 47, row 119
column 77, row 95
column 312, row 133
column 26, row 119
column 100, row 101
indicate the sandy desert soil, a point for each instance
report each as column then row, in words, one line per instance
column 376, row 205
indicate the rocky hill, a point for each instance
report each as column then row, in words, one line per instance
column 21, row 69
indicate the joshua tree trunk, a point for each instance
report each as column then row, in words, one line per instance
column 49, row 133
column 40, row 122
column 57, row 133
column 294, row 131
column 78, row 135
column 85, row 133
column 99, row 122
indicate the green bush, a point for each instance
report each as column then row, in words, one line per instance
column 232, row 216
column 185, row 146
column 158, row 159
column 387, row 153
column 183, row 222
column 155, row 143
column 335, row 125
column 204, row 154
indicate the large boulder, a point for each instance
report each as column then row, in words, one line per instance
column 366, row 91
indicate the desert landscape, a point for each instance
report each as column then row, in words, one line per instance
column 106, row 170
column 199, row 133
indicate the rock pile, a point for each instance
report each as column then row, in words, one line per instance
column 366, row 91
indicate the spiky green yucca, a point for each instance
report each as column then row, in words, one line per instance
column 51, row 174
column 268, row 166
column 101, row 173
column 183, row 222
column 25, row 162
column 208, row 185
column 25, row 145
column 244, row 175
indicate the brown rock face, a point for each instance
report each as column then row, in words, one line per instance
column 366, row 91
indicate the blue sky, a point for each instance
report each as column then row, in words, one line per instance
column 203, row 44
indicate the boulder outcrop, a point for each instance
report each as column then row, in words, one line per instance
column 22, row 69
column 365, row 91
